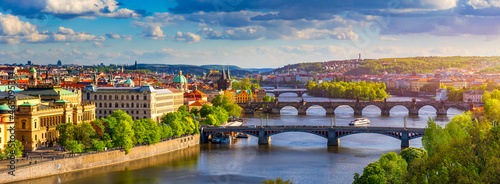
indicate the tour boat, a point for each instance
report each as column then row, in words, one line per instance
column 360, row 121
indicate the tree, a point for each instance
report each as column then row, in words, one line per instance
column 373, row 173
column 233, row 109
column 17, row 149
column 66, row 133
column 123, row 135
column 74, row 146
column 266, row 98
column 205, row 110
column 276, row 181
column 410, row 154
column 394, row 166
column 273, row 99
column 84, row 133
column 211, row 120
column 98, row 145
column 140, row 132
column 195, row 110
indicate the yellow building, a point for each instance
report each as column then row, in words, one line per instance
column 243, row 96
column 5, row 125
column 36, row 123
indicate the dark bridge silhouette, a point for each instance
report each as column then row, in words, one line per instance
column 385, row 107
column 329, row 132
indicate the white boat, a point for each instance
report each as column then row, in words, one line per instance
column 360, row 121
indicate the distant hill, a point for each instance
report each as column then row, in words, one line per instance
column 198, row 70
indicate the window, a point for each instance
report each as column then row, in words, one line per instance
column 105, row 105
column 145, row 112
column 105, row 97
column 145, row 105
column 100, row 97
column 137, row 97
column 88, row 96
column 35, row 124
column 95, row 97
column 23, row 126
column 110, row 105
column 116, row 104
column 116, row 97
column 132, row 97
column 123, row 98
column 100, row 104
column 132, row 104
column 145, row 97
column 127, row 105
column 110, row 98
column 131, row 112
column 123, row 105
column 36, row 137
column 127, row 97
column 22, row 138
column 100, row 112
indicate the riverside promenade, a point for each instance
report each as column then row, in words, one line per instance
column 95, row 159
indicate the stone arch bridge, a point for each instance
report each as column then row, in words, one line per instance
column 358, row 106
column 329, row 132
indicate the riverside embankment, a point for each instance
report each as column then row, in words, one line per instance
column 91, row 161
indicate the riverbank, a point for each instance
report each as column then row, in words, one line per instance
column 91, row 161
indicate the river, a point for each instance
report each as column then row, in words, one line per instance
column 300, row 157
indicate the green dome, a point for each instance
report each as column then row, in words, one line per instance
column 180, row 78
column 4, row 107
column 33, row 70
column 129, row 81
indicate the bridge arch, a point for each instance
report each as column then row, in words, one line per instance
column 323, row 134
column 288, row 94
column 250, row 132
column 455, row 109
column 320, row 110
column 344, row 110
column 289, row 110
column 428, row 110
column 371, row 110
column 399, row 110
column 343, row 134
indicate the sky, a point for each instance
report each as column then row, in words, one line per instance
column 246, row 33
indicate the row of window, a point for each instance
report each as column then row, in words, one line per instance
column 134, row 118
column 127, row 105
column 131, row 112
column 110, row 97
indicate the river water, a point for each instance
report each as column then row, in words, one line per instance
column 300, row 157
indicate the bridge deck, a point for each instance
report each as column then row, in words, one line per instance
column 316, row 127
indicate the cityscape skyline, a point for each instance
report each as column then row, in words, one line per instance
column 274, row 33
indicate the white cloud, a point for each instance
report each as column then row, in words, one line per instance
column 127, row 37
column 385, row 38
column 187, row 37
column 481, row 4
column 97, row 44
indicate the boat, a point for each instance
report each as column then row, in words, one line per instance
column 360, row 121
column 226, row 139
column 216, row 139
column 242, row 136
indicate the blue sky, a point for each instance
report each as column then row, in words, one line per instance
column 257, row 33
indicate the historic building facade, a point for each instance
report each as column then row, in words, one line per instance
column 36, row 122
column 5, row 124
column 138, row 102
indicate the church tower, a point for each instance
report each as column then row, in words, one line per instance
column 32, row 77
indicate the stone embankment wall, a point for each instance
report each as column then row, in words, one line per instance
column 98, row 160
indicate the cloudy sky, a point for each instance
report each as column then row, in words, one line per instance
column 247, row 33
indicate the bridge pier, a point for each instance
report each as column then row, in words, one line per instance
column 330, row 111
column 302, row 111
column 203, row 137
column 263, row 139
column 333, row 140
column 413, row 112
column 385, row 112
column 358, row 112
column 441, row 112
column 405, row 141
column 275, row 111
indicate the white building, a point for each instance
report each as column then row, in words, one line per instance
column 441, row 94
column 138, row 102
